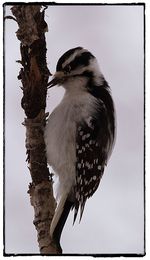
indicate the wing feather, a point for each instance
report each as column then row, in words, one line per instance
column 92, row 141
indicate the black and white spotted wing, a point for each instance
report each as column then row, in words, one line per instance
column 92, row 142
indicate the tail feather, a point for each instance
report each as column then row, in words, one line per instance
column 76, row 208
column 57, row 214
column 82, row 208
column 60, row 218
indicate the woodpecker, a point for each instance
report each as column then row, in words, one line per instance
column 79, row 134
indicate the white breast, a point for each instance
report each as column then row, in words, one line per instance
column 60, row 134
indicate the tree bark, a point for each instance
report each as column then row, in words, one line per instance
column 34, row 76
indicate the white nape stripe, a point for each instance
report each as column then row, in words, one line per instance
column 72, row 57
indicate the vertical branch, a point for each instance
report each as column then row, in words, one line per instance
column 34, row 76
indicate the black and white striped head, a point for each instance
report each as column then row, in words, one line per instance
column 74, row 64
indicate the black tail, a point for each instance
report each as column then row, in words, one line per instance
column 60, row 225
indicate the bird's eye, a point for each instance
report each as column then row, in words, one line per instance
column 67, row 69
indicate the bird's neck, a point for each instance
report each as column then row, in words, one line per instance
column 75, row 85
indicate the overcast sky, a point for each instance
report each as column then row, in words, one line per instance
column 113, row 220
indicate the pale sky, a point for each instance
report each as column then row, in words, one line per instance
column 113, row 220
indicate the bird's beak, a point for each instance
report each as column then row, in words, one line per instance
column 57, row 79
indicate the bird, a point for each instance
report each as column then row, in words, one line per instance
column 79, row 134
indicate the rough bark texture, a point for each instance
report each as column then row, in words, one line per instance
column 34, row 76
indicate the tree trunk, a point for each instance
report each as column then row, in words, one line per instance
column 34, row 76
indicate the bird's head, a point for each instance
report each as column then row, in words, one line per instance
column 76, row 64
